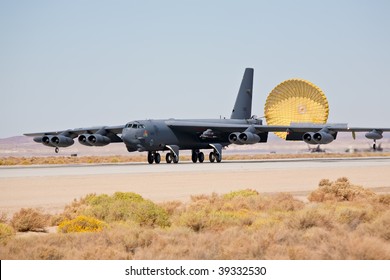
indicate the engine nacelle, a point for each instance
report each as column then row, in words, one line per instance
column 98, row 140
column 308, row 138
column 248, row 138
column 323, row 137
column 45, row 140
column 83, row 139
column 233, row 138
column 374, row 135
column 58, row 141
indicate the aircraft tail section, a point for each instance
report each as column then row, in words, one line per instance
column 243, row 106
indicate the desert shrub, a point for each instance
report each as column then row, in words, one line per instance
column 240, row 193
column 380, row 227
column 310, row 217
column 284, row 202
column 6, row 232
column 81, row 224
column 29, row 220
column 3, row 217
column 75, row 208
column 340, row 190
column 172, row 207
column 119, row 207
column 383, row 199
column 353, row 215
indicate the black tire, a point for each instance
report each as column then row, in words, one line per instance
column 168, row 158
column 56, row 150
column 212, row 157
column 218, row 157
column 194, row 157
column 201, row 157
column 175, row 159
column 150, row 158
column 157, row 158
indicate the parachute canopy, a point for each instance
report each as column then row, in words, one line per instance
column 296, row 101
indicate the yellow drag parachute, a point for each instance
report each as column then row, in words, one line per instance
column 296, row 101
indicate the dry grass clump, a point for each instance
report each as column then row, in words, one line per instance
column 341, row 222
column 29, row 219
column 239, row 208
column 339, row 190
column 81, row 224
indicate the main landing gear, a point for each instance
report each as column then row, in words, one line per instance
column 199, row 156
column 56, row 150
column 156, row 158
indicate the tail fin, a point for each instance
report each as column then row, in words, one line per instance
column 243, row 106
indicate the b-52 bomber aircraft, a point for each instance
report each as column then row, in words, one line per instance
column 173, row 135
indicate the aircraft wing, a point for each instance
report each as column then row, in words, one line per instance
column 109, row 131
column 295, row 131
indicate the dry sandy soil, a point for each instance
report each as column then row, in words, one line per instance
column 51, row 188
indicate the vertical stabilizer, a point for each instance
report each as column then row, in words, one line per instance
column 243, row 107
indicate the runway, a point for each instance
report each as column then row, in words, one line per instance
column 52, row 187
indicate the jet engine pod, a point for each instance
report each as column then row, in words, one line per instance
column 308, row 138
column 45, row 140
column 233, row 138
column 248, row 138
column 60, row 141
column 98, row 140
column 323, row 137
column 374, row 134
column 83, row 139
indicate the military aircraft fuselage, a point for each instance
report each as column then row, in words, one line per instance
column 155, row 135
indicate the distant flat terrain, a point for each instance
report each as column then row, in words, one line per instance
column 52, row 187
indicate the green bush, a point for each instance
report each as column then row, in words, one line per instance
column 125, row 207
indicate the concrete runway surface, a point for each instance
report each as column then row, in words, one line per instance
column 52, row 187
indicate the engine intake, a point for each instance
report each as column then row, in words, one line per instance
column 323, row 137
column 308, row 138
column 98, row 140
column 248, row 138
column 233, row 138
column 83, row 140
column 58, row 141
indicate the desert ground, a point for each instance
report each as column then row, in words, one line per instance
column 52, row 187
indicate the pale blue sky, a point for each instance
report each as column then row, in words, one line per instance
column 68, row 64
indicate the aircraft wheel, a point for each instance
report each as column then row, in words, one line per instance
column 157, row 158
column 150, row 158
column 212, row 157
column 194, row 157
column 56, row 150
column 201, row 157
column 168, row 158
column 175, row 159
column 218, row 157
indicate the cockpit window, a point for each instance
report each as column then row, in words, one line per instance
column 135, row 125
